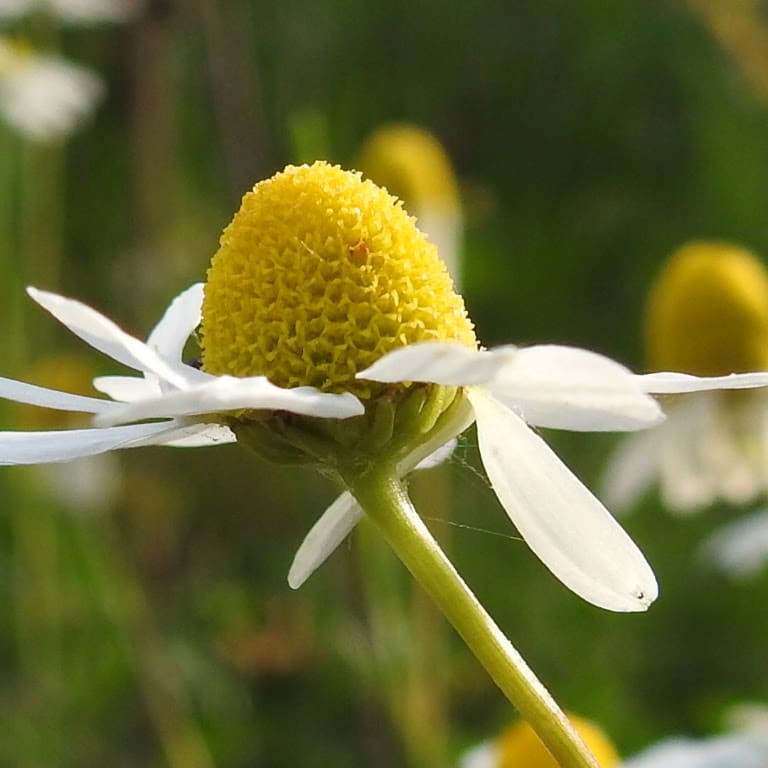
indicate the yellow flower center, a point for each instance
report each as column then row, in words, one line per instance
column 319, row 275
column 412, row 165
column 520, row 747
column 707, row 313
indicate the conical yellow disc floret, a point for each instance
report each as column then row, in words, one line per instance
column 320, row 274
column 708, row 312
column 520, row 747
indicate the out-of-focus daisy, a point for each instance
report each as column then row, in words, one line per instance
column 740, row 548
column 331, row 335
column 44, row 97
column 412, row 164
column 80, row 12
column 519, row 747
column 707, row 315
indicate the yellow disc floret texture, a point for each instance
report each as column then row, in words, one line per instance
column 708, row 312
column 320, row 274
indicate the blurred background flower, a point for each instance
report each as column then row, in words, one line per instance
column 707, row 314
column 44, row 97
column 589, row 140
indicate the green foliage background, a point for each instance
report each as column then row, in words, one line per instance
column 590, row 140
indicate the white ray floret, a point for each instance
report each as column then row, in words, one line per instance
column 506, row 389
column 547, row 386
column 44, row 97
column 187, row 404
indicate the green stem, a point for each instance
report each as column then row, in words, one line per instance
column 383, row 497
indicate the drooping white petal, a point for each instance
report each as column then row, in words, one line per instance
column 21, row 392
column 102, row 334
column 340, row 518
column 439, row 362
column 571, row 388
column 337, row 522
column 127, row 389
column 65, row 445
column 183, row 315
column 198, row 435
column 334, row 525
column 563, row 523
column 632, row 468
column 667, row 383
column 225, row 393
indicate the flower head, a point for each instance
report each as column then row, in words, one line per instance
column 707, row 314
column 519, row 747
column 319, row 275
column 332, row 335
column 44, row 97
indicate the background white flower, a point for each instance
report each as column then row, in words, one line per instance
column 729, row 751
column 80, row 12
column 707, row 314
column 44, row 97
column 740, row 548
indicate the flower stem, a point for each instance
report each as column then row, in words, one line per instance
column 384, row 499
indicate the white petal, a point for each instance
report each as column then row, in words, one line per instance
column 740, row 548
column 10, row 389
column 102, row 334
column 562, row 522
column 485, row 755
column 324, row 537
column 183, row 315
column 688, row 472
column 64, row 445
column 337, row 522
column 198, row 435
column 666, row 383
column 632, row 468
column 127, row 389
column 342, row 516
column 439, row 363
column 226, row 393
column 570, row 388
column 732, row 751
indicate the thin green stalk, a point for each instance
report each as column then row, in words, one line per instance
column 383, row 497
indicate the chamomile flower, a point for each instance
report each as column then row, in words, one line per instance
column 707, row 315
column 44, row 97
column 519, row 747
column 331, row 335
